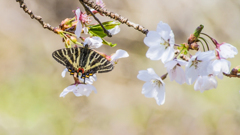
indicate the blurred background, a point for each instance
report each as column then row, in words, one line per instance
column 31, row 82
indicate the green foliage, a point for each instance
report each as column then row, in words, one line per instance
column 96, row 30
column 108, row 43
column 183, row 49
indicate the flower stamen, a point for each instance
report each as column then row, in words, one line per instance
column 156, row 82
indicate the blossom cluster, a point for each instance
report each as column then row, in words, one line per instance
column 202, row 68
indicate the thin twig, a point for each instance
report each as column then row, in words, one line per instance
column 38, row 18
column 230, row 75
column 89, row 11
column 202, row 45
column 205, row 42
column 115, row 16
column 213, row 40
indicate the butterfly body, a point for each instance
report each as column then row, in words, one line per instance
column 83, row 61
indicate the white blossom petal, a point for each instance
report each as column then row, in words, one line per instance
column 153, row 74
column 171, row 39
column 160, row 98
column 154, row 86
column 205, row 83
column 149, row 90
column 179, row 75
column 77, row 13
column 147, row 75
column 198, row 83
column 78, row 30
column 155, row 53
column 144, row 75
column 115, row 30
column 64, row 72
column 84, row 90
column 67, row 90
column 175, row 72
column 166, row 33
column 79, row 90
column 170, row 64
column 227, row 51
column 191, row 75
column 218, row 66
column 152, row 39
column 119, row 54
column 181, row 62
column 206, row 56
column 94, row 42
column 164, row 30
column 79, row 24
column 167, row 55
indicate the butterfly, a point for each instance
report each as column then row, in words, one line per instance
column 83, row 61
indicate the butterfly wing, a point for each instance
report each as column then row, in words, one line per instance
column 82, row 58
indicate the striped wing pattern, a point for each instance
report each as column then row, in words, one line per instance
column 82, row 60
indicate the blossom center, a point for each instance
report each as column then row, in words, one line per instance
column 156, row 82
column 195, row 63
column 165, row 43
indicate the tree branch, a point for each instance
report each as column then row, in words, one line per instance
column 115, row 16
column 89, row 11
column 38, row 18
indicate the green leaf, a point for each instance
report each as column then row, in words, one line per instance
column 108, row 43
column 96, row 30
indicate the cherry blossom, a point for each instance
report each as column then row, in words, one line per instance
column 79, row 90
column 160, row 43
column 93, row 42
column 227, row 50
column 175, row 72
column 219, row 66
column 205, row 83
column 154, row 86
column 197, row 65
